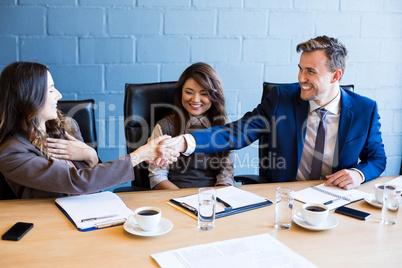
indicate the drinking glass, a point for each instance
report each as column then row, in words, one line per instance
column 390, row 204
column 206, row 208
column 283, row 207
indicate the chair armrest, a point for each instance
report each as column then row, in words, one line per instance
column 130, row 189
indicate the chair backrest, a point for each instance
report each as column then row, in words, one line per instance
column 263, row 142
column 82, row 111
column 144, row 105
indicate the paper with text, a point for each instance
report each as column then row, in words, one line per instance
column 252, row 251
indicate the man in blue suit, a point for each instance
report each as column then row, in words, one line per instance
column 316, row 129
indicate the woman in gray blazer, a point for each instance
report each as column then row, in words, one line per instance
column 33, row 161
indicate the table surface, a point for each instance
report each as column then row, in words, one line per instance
column 54, row 241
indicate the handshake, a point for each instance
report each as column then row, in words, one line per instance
column 161, row 151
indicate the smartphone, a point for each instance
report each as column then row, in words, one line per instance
column 361, row 215
column 17, row 231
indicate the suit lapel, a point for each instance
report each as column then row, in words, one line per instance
column 301, row 113
column 345, row 122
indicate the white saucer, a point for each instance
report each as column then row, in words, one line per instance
column 330, row 223
column 372, row 201
column 164, row 227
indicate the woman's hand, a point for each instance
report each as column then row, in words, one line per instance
column 150, row 151
column 72, row 149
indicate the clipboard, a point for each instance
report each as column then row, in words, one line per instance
column 230, row 200
column 94, row 211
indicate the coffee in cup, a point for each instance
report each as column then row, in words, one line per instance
column 379, row 192
column 147, row 218
column 314, row 214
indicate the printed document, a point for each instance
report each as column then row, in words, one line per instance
column 252, row 251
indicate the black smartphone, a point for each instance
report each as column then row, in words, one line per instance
column 361, row 215
column 17, row 231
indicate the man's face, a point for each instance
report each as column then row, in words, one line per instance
column 316, row 81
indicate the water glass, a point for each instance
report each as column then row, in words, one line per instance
column 206, row 208
column 283, row 207
column 390, row 204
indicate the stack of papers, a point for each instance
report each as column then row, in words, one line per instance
column 252, row 251
column 94, row 211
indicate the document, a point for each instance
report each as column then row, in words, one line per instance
column 94, row 211
column 332, row 196
column 252, row 251
column 230, row 200
column 397, row 181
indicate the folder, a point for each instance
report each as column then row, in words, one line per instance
column 94, row 211
column 230, row 200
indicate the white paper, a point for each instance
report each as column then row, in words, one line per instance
column 252, row 251
column 104, row 204
column 328, row 193
column 397, row 181
column 232, row 195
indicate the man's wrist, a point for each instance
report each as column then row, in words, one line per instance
column 190, row 144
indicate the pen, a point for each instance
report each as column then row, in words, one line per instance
column 98, row 218
column 227, row 206
column 331, row 201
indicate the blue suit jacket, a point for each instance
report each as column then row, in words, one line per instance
column 282, row 115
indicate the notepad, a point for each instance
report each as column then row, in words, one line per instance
column 94, row 211
column 232, row 200
column 323, row 194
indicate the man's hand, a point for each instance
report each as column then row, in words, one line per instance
column 72, row 149
column 345, row 178
column 178, row 144
column 152, row 153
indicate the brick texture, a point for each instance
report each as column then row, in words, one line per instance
column 94, row 47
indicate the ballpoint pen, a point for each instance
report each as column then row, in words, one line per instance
column 331, row 201
column 98, row 218
column 227, row 205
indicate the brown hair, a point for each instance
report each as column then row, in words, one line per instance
column 335, row 51
column 23, row 87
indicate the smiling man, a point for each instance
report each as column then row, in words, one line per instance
column 321, row 130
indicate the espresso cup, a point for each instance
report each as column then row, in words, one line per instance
column 314, row 213
column 379, row 192
column 147, row 218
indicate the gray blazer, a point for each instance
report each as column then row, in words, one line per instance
column 30, row 174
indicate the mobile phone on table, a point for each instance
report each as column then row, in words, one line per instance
column 17, row 231
column 361, row 215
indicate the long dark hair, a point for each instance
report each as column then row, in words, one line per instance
column 209, row 80
column 23, row 89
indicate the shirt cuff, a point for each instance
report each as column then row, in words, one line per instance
column 191, row 143
column 361, row 174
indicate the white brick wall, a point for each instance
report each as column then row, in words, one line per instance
column 93, row 47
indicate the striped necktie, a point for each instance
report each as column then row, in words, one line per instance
column 319, row 147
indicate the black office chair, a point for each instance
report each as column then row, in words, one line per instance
column 83, row 112
column 263, row 148
column 144, row 105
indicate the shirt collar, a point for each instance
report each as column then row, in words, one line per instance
column 333, row 106
column 199, row 121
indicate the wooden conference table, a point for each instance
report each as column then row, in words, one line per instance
column 55, row 242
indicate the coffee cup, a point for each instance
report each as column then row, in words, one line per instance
column 314, row 214
column 379, row 192
column 147, row 218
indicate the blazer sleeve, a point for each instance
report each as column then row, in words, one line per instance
column 22, row 164
column 240, row 133
column 372, row 156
